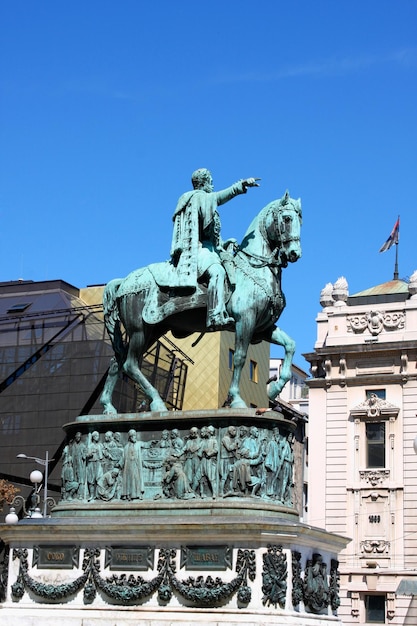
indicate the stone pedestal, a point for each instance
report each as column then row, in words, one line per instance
column 186, row 542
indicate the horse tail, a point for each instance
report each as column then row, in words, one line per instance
column 112, row 319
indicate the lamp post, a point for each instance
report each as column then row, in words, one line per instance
column 34, row 511
column 36, row 477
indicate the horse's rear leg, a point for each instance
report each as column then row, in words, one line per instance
column 131, row 368
column 109, row 385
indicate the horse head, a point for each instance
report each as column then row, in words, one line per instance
column 273, row 238
column 284, row 228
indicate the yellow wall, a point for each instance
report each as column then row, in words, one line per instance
column 209, row 378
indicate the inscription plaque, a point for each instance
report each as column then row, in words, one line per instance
column 129, row 558
column 206, row 557
column 56, row 557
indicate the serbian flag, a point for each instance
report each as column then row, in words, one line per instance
column 393, row 238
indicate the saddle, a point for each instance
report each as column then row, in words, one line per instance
column 163, row 296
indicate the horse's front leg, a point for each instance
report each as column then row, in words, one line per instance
column 131, row 368
column 244, row 331
column 282, row 339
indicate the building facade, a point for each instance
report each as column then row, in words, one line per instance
column 362, row 463
column 295, row 391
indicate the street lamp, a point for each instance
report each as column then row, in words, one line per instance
column 36, row 478
column 11, row 517
column 34, row 511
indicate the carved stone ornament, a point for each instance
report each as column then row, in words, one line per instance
column 4, row 568
column 375, row 322
column 316, row 587
column 334, row 585
column 355, row 604
column 374, row 477
column 274, row 577
column 130, row 590
column 374, row 407
column 375, row 546
column 326, row 297
column 391, row 605
column 340, row 291
column 297, row 581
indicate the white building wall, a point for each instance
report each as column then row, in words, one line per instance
column 367, row 344
column 336, row 466
column 317, row 456
column 410, row 474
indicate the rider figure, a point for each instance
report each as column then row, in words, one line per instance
column 197, row 245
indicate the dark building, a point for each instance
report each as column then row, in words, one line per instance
column 54, row 357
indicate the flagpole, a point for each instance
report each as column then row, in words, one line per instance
column 396, row 262
column 396, row 252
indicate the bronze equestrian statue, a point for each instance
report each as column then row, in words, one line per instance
column 207, row 285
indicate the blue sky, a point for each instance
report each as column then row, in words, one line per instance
column 107, row 108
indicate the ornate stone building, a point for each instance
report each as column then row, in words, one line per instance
column 362, row 465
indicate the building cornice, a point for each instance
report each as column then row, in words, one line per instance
column 360, row 381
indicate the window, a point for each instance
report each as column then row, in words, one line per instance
column 19, row 308
column 375, row 609
column 379, row 393
column 253, row 371
column 10, row 424
column 375, row 444
column 305, row 497
column 231, row 357
column 273, row 371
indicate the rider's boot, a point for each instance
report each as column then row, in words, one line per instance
column 219, row 320
column 217, row 315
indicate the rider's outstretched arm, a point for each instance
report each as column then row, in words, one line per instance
column 238, row 188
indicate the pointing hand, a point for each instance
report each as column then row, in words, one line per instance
column 251, row 182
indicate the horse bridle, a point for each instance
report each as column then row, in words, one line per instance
column 270, row 260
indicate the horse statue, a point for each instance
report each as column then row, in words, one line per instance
column 147, row 311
